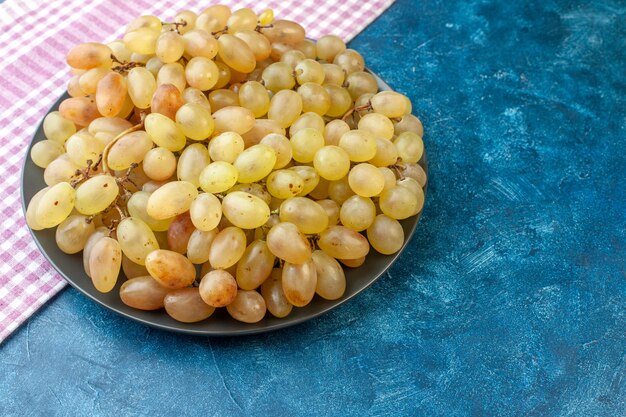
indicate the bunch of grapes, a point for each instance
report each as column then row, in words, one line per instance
column 227, row 140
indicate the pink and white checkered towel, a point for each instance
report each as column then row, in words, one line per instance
column 34, row 38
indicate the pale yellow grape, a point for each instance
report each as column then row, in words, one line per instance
column 147, row 21
column 72, row 234
column 199, row 245
column 195, row 121
column 305, row 143
column 284, row 184
column 227, row 248
column 186, row 305
column 278, row 76
column 195, row 96
column 151, row 186
column 254, row 97
column 309, row 175
column 299, row 282
column 131, row 269
column 377, row 124
column 331, row 280
column 213, row 18
column 201, row 73
column 170, row 269
column 410, row 147
column 258, row 44
column 141, row 87
column 255, row 163
column 199, row 42
column 136, row 239
column 255, row 189
column 171, row 199
column 416, row 172
column 233, row 119
column 96, row 194
column 99, row 233
column 82, row 147
column 363, row 101
column 417, row 190
column 357, row 213
column 236, row 53
column 218, row 177
column 224, row 75
column 390, row 177
column 359, row 144
column 241, row 19
column 226, row 147
column 340, row 100
column 409, row 123
column 129, row 149
column 255, row 266
column 284, row 31
column 137, row 207
column 386, row 153
column 334, row 130
column 57, row 128
column 389, row 103
column 281, row 146
column 308, row 216
column 321, row 191
column 154, row 65
column 366, row 180
column 274, row 296
column 292, row 58
column 332, row 210
column 88, row 81
column 88, row 55
column 188, row 17
column 220, row 98
column 350, row 61
column 44, row 152
column 173, row 73
column 399, row 203
column 341, row 242
column 331, row 162
column 285, row 107
column 105, row 262
column 308, row 48
column 247, row 307
column 309, row 70
column 205, row 212
column 307, row 120
column 159, row 164
column 31, row 209
column 245, row 210
column 142, row 40
column 61, row 169
column 360, row 83
column 328, row 46
column 333, row 74
column 315, row 98
column 110, row 125
column 140, row 58
column 169, row 47
column 266, row 17
column 339, row 191
column 191, row 163
column 260, row 129
column 164, row 132
column 73, row 87
column 385, row 235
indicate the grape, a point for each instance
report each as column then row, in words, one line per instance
column 206, row 211
column 194, row 96
column 164, row 132
column 357, row 213
column 96, row 194
column 140, row 58
column 199, row 42
column 408, row 123
column 143, row 293
column 136, row 239
column 253, row 96
column 350, row 61
column 82, row 147
column 281, row 146
column 389, row 103
column 224, row 75
column 258, row 44
column 174, row 74
column 309, row 217
column 234, row 119
column 147, row 21
column 353, row 263
column 73, row 232
column 80, row 110
column 88, row 81
column 105, row 262
column 248, row 307
column 340, row 100
column 377, row 124
column 333, row 74
column 310, row 177
column 44, row 152
column 292, row 58
column 89, row 55
column 218, row 99
column 284, row 31
column 241, row 19
column 192, row 162
column 166, row 100
column 129, row 149
column 159, row 164
column 141, row 87
column 186, row 305
column 179, row 232
column 255, row 189
column 385, row 235
column 57, row 128
column 390, row 177
column 329, row 46
column 285, row 107
column 278, row 76
column 73, row 87
column 142, row 40
column 99, row 233
column 321, row 191
column 226, row 147
column 201, row 73
column 332, row 162
column 399, row 203
column 410, row 147
column 305, row 143
column 245, row 210
column 199, row 245
column 359, row 144
column 366, row 180
column 260, row 129
column 170, row 269
column 171, row 199
column 169, row 47
column 214, row 18
column 289, row 244
column 331, row 280
column 266, row 17
column 110, row 125
column 255, row 265
column 218, row 288
column 334, row 130
column 154, row 65
column 341, row 242
column 111, row 94
column 218, row 177
column 227, row 247
column 137, row 207
column 188, row 17
column 284, row 184
column 332, row 210
column 255, row 163
column 360, row 83
column 274, row 296
column 299, row 282
column 236, row 53
column 339, row 191
column 416, row 189
column 416, row 172
column 31, row 210
column 315, row 98
column 386, row 153
column 131, row 269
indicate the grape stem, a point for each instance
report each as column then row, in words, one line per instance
column 259, row 27
column 396, row 168
column 124, row 66
column 105, row 152
column 367, row 106
column 82, row 175
column 176, row 25
column 220, row 32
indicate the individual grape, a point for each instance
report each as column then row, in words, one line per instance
column 142, row 40
column 224, row 75
column 309, row 175
column 80, row 110
column 377, row 124
column 309, row 217
column 171, row 199
column 147, row 21
column 99, row 233
column 218, row 177
column 44, row 152
column 416, row 189
column 236, row 53
column 385, row 235
column 255, row 189
column 110, row 125
column 129, row 149
column 241, row 19
column 255, row 163
column 140, row 58
column 73, row 232
column 266, row 17
column 278, row 76
column 357, row 213
column 221, row 98
column 353, row 263
column 281, row 146
column 305, row 143
column 410, row 147
column 57, row 128
column 308, row 48
column 226, row 147
column 399, row 203
column 339, row 191
column 334, row 130
column 247, row 307
column 307, row 120
column 73, row 87
column 133, row 270
column 274, row 296
column 143, row 293
column 141, row 87
column 333, row 74
column 414, row 171
column 194, row 96
column 292, row 58
column 170, row 269
column 390, row 177
column 389, row 103
column 359, row 144
column 213, row 18
column 253, row 96
column 88, row 82
column 340, row 100
column 154, row 65
column 284, row 31
column 363, row 102
column 82, row 147
column 332, row 210
column 199, row 245
column 408, row 123
column 329, row 46
column 151, row 186
column 260, row 129
column 233, row 119
column 299, row 282
column 137, row 207
column 159, row 164
column 258, row 44
column 332, row 162
column 166, row 100
column 366, row 180
column 321, row 191
column 341, row 242
column 206, row 212
column 350, row 61
column 96, row 194
column 284, row 184
column 227, row 247
column 169, row 47
column 186, row 305
column 89, row 55
column 105, row 262
column 285, row 107
column 174, row 74
column 245, row 210
column 386, row 153
column 136, row 239
column 191, row 163
column 164, row 132
column 331, row 280
column 289, row 244
column 409, row 105
column 31, row 209
column 179, row 232
column 255, row 265
column 361, row 82
column 199, row 42
column 201, row 73
column 315, row 98
column 218, row 288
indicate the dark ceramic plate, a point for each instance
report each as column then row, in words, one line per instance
column 220, row 323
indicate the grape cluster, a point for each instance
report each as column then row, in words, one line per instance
column 227, row 140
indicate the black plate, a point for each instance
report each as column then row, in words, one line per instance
column 220, row 323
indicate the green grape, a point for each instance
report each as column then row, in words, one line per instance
column 329, row 46
column 218, row 177
column 201, row 73
column 233, row 119
column 255, row 265
column 386, row 153
column 281, row 146
column 255, row 163
column 385, row 235
column 334, row 130
column 274, row 296
column 194, row 96
column 226, row 147
column 361, row 82
column 44, row 152
column 241, row 19
column 278, row 76
column 73, row 232
column 408, row 123
column 164, row 132
column 284, row 183
column 199, row 245
column 57, row 128
column 191, row 163
column 142, row 40
column 245, row 210
column 389, row 103
column 315, row 98
column 105, row 262
column 174, row 74
column 141, row 87
column 286, row 242
column 410, row 147
column 31, row 209
column 359, row 144
column 307, row 120
column 341, row 242
column 195, row 121
column 309, row 217
column 206, row 212
column 186, row 305
column 129, row 149
column 167, row 99
column 309, row 175
column 89, row 55
column 169, row 47
column 82, row 147
column 247, row 307
column 258, row 44
column 366, row 180
column 266, row 17
column 350, row 61
column 284, row 31
column 96, row 194
column 331, row 280
column 332, row 210
column 159, row 164
column 154, row 65
column 332, row 162
column 399, row 203
column 143, row 293
column 357, row 213
column 136, row 239
column 305, row 143
column 236, row 53
column 218, row 288
column 171, row 199
column 137, row 207
column 333, row 74
column 253, row 96
column 227, row 248
column 299, row 282
column 416, row 189
column 285, row 107
column 170, row 269
column 377, row 124
column 340, row 100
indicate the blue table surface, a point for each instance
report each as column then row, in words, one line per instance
column 511, row 297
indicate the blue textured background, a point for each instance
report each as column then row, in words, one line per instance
column 511, row 298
